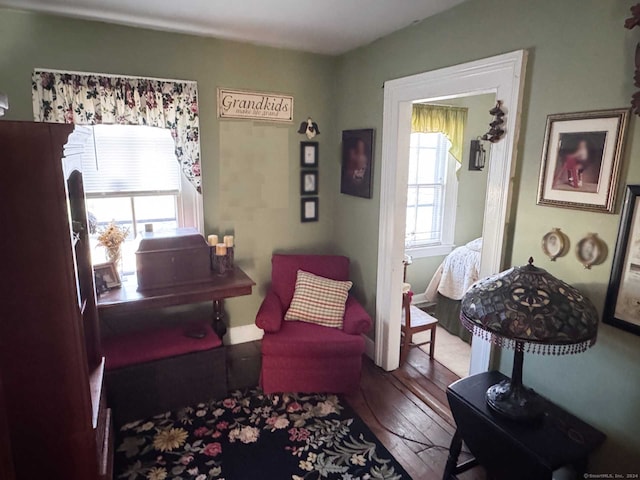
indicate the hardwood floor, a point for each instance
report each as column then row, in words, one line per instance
column 243, row 365
column 410, row 401
column 398, row 401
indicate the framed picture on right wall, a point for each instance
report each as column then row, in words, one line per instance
column 622, row 305
column 581, row 159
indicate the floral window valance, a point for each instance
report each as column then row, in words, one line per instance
column 89, row 99
column 441, row 119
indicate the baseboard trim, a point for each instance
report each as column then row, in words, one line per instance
column 369, row 347
column 243, row 334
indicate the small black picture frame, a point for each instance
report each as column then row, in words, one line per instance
column 309, row 182
column 622, row 304
column 309, row 154
column 309, row 209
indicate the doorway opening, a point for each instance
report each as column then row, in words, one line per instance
column 446, row 197
column 500, row 76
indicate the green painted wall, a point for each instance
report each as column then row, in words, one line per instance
column 580, row 58
column 250, row 170
column 420, row 272
column 472, row 189
column 472, row 186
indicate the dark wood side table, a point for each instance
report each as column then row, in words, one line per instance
column 128, row 299
column 510, row 450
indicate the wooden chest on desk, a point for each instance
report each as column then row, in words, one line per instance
column 178, row 257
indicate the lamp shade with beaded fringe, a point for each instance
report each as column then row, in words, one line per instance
column 528, row 309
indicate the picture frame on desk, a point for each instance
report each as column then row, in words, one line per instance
column 106, row 276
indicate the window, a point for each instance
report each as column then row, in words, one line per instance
column 431, row 195
column 131, row 176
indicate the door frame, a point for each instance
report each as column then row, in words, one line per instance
column 503, row 75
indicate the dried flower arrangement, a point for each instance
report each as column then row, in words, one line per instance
column 112, row 236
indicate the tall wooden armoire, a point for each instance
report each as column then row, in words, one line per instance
column 51, row 369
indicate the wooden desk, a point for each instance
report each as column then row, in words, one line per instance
column 128, row 299
column 508, row 449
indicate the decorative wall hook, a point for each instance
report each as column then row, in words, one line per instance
column 496, row 131
column 630, row 23
column 310, row 128
column 634, row 19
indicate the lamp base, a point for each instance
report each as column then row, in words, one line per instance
column 515, row 402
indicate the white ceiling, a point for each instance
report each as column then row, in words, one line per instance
column 321, row 26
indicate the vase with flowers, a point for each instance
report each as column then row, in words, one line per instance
column 111, row 238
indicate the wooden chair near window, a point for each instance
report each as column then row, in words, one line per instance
column 414, row 321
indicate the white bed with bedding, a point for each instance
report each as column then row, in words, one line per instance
column 457, row 273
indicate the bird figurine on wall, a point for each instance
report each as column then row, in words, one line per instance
column 310, row 128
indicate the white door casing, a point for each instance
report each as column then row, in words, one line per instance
column 502, row 75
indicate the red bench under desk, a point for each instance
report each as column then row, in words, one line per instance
column 152, row 371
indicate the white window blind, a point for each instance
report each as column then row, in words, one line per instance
column 129, row 160
column 426, row 189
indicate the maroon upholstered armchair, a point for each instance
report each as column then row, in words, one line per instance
column 304, row 357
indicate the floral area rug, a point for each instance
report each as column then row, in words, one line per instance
column 253, row 436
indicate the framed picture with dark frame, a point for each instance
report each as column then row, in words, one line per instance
column 581, row 159
column 309, row 209
column 357, row 163
column 309, row 154
column 309, row 182
column 622, row 305
column 106, row 276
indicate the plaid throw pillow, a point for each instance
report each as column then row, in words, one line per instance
column 318, row 300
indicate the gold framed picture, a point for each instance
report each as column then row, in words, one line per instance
column 581, row 159
column 555, row 244
column 591, row 250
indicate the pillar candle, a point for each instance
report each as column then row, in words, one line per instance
column 213, row 240
column 221, row 249
column 228, row 240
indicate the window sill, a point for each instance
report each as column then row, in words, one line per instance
column 430, row 251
